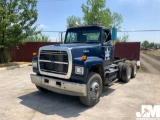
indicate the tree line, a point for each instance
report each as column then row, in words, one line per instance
column 149, row 45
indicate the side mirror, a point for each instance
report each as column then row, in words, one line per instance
column 114, row 34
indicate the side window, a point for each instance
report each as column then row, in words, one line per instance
column 106, row 36
column 72, row 37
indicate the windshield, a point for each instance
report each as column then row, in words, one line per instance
column 83, row 35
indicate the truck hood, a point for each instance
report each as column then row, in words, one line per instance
column 71, row 46
column 77, row 49
column 76, row 45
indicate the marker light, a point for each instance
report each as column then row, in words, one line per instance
column 34, row 53
column 84, row 58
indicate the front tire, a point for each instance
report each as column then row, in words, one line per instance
column 94, row 89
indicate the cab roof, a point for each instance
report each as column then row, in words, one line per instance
column 90, row 26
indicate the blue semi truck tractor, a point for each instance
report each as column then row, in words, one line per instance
column 82, row 65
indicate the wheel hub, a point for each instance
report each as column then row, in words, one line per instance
column 94, row 90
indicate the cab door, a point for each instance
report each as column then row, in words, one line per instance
column 107, row 48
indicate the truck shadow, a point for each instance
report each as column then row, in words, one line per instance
column 106, row 91
column 51, row 103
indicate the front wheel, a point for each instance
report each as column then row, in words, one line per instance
column 94, row 89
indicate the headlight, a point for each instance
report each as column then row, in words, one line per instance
column 79, row 70
column 34, row 64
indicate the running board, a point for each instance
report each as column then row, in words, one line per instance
column 113, row 82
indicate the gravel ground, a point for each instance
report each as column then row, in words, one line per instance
column 20, row 100
column 150, row 64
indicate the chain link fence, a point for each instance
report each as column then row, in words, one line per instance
column 55, row 36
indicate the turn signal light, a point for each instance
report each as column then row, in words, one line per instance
column 84, row 58
column 34, row 53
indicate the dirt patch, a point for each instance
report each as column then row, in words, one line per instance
column 153, row 53
column 12, row 64
column 150, row 64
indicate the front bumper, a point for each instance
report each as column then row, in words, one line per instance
column 59, row 86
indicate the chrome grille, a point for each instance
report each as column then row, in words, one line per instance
column 54, row 61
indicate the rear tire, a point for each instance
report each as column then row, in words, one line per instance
column 94, row 90
column 134, row 69
column 126, row 73
column 41, row 89
column 128, row 61
column 119, row 74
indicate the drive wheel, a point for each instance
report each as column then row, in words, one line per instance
column 41, row 89
column 94, row 90
column 119, row 74
column 134, row 69
column 126, row 73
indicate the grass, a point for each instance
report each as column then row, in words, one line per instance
column 141, row 69
column 154, row 52
column 12, row 64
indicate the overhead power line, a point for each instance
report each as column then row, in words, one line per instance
column 140, row 31
column 120, row 31
column 54, row 31
column 49, row 0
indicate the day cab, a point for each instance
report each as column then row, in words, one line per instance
column 82, row 65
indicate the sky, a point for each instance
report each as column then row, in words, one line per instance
column 137, row 15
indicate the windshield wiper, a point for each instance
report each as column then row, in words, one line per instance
column 76, row 42
column 84, row 42
column 91, row 42
column 73, row 42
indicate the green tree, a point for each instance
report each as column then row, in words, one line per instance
column 151, row 45
column 16, row 22
column 96, row 12
column 145, row 44
column 73, row 20
column 123, row 38
column 156, row 45
column 117, row 19
column 38, row 38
